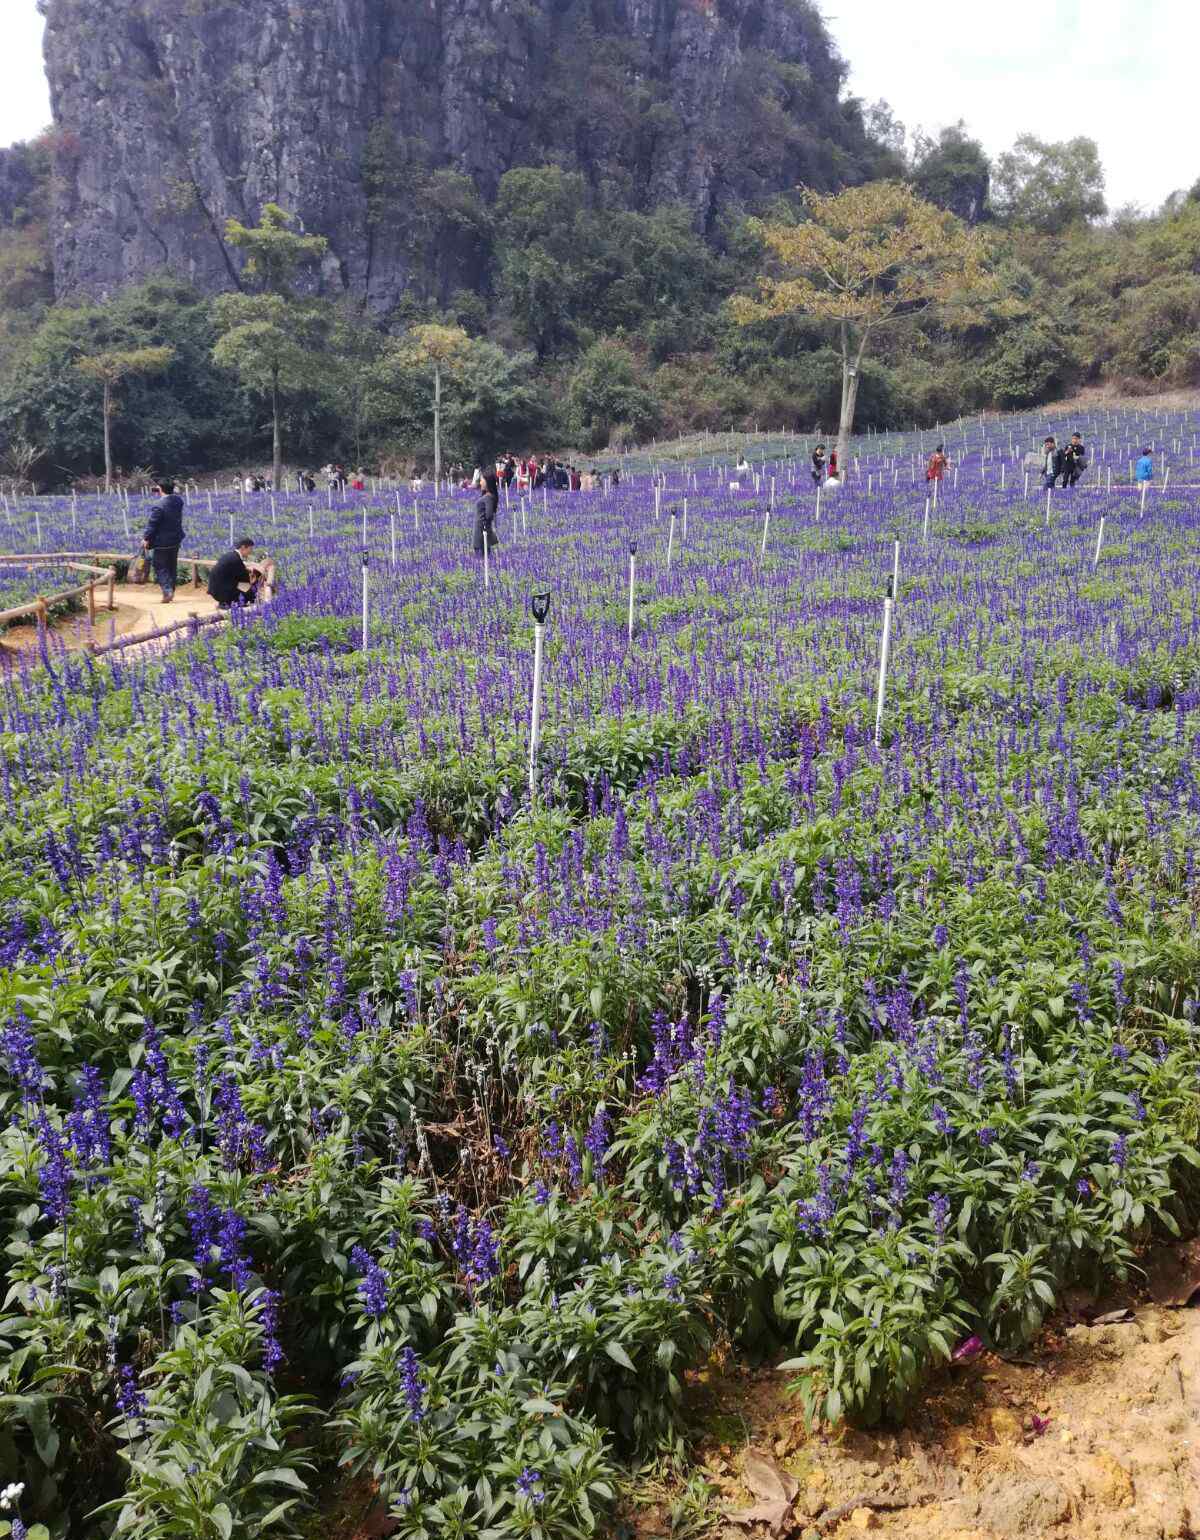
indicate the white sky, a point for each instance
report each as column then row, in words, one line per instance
column 1121, row 71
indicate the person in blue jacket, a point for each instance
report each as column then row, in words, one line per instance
column 1144, row 469
column 164, row 535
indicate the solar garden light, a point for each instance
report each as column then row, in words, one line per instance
column 539, row 605
column 762, row 549
column 671, row 537
column 1099, row 542
column 632, row 580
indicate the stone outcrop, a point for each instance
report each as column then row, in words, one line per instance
column 172, row 115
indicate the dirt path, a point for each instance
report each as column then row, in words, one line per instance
column 139, row 610
column 1092, row 1435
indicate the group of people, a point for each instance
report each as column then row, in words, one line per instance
column 528, row 473
column 824, row 467
column 339, row 479
column 1067, row 464
column 233, row 578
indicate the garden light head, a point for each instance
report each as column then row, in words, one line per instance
column 540, row 605
column 633, row 548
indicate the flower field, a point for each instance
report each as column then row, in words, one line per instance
column 364, row 1115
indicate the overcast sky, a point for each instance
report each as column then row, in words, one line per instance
column 1121, row 71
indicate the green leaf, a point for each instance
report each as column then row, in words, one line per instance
column 619, row 1356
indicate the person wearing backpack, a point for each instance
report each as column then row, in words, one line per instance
column 1074, row 460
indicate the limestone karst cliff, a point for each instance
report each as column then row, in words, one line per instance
column 171, row 115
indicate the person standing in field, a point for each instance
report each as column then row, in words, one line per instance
column 1074, row 460
column 1052, row 463
column 939, row 462
column 1144, row 469
column 818, row 465
column 834, row 473
column 163, row 537
column 485, row 514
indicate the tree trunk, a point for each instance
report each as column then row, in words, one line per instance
column 107, row 436
column 276, row 440
column 437, row 424
column 851, row 364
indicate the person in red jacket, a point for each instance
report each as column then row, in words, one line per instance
column 938, row 461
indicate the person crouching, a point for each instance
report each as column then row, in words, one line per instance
column 232, row 580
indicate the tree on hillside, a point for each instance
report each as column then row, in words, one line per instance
column 606, row 393
column 440, row 348
column 864, row 259
column 110, row 368
column 542, row 253
column 953, row 172
column 268, row 337
column 1049, row 186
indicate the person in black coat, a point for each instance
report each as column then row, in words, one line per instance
column 230, row 580
column 818, row 465
column 1074, row 460
column 163, row 537
column 485, row 513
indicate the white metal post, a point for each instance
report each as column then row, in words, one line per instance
column 671, row 540
column 632, row 582
column 885, row 642
column 392, row 522
column 762, row 550
column 535, row 713
column 925, row 525
column 366, row 632
column 1099, row 542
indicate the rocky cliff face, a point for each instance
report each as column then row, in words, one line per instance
column 172, row 115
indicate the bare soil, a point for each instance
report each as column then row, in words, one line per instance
column 139, row 610
column 1093, row 1434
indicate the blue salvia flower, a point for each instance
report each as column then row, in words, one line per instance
column 273, row 1354
column 54, row 1173
column 529, row 1484
column 412, row 1384
column 130, row 1400
column 19, row 1047
column 231, row 1237
column 939, row 1208
column 373, row 1287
